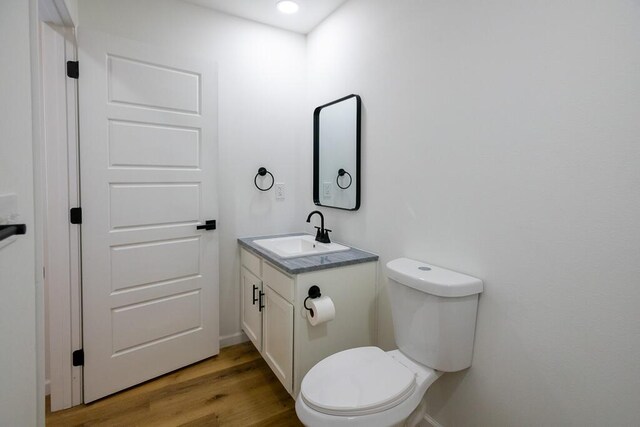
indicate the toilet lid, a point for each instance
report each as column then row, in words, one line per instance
column 358, row 381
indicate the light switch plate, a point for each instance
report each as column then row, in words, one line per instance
column 326, row 190
column 279, row 191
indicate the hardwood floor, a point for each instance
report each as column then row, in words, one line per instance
column 235, row 388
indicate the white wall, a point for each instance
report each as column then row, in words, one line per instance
column 261, row 92
column 19, row 356
column 72, row 9
column 501, row 139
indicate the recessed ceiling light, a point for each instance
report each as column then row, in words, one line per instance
column 287, row 6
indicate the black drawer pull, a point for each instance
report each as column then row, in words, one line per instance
column 255, row 298
column 260, row 304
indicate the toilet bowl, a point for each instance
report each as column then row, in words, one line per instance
column 363, row 386
column 434, row 316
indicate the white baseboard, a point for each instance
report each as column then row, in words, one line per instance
column 428, row 418
column 233, row 339
column 47, row 387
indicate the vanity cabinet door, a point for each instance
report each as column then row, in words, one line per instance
column 251, row 312
column 278, row 336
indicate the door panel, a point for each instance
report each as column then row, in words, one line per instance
column 148, row 145
column 145, row 323
column 148, row 157
column 149, row 204
column 152, row 85
column 278, row 336
column 145, row 263
column 251, row 314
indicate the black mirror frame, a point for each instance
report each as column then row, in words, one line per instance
column 316, row 152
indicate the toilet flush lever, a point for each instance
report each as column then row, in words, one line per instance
column 208, row 225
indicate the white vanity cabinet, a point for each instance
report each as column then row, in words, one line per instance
column 275, row 320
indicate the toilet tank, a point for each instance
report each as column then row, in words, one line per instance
column 434, row 313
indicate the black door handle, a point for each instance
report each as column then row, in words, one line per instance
column 208, row 225
column 8, row 230
column 260, row 304
column 255, row 298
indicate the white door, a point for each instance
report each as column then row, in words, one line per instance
column 19, row 285
column 148, row 154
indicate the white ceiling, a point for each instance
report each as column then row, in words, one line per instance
column 310, row 14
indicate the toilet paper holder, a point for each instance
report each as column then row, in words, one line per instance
column 314, row 292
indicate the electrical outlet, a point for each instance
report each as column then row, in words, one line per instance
column 279, row 191
column 326, row 189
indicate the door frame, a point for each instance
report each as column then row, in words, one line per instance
column 60, row 177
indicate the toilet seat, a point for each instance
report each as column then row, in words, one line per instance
column 355, row 382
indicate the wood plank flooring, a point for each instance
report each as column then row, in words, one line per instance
column 235, row 388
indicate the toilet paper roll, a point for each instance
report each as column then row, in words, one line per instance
column 323, row 310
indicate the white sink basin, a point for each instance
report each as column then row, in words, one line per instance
column 295, row 246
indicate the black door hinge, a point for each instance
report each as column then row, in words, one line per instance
column 75, row 215
column 77, row 357
column 73, row 69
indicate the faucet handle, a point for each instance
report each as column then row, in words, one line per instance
column 325, row 236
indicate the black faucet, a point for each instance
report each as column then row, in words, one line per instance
column 322, row 235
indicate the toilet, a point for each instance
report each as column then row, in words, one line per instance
column 434, row 318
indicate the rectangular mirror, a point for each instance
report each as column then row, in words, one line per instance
column 336, row 154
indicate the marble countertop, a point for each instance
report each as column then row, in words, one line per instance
column 308, row 263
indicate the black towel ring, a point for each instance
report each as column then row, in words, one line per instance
column 342, row 172
column 262, row 172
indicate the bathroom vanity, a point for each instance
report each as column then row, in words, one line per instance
column 274, row 318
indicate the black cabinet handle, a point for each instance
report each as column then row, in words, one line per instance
column 208, row 225
column 255, row 299
column 260, row 304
